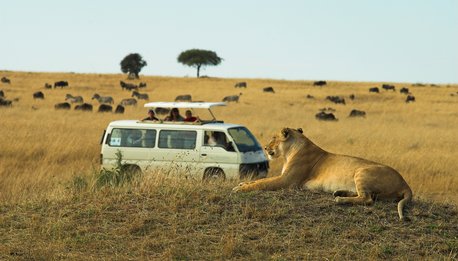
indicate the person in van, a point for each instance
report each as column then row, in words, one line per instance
column 174, row 115
column 217, row 138
column 189, row 117
column 151, row 116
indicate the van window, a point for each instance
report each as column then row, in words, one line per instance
column 217, row 139
column 138, row 138
column 177, row 139
column 244, row 140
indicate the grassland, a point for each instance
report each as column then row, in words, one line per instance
column 43, row 151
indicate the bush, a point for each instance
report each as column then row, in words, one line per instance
column 120, row 175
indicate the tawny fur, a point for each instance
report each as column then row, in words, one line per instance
column 350, row 179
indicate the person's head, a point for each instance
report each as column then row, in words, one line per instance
column 174, row 112
column 151, row 113
column 188, row 114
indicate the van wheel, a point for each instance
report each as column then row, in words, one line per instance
column 214, row 174
column 131, row 170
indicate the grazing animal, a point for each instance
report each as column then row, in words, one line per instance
column 142, row 85
column 2, row 94
column 310, row 96
column 336, row 99
column 162, row 111
column 184, row 98
column 374, row 89
column 61, row 84
column 119, row 109
column 268, row 89
column 48, row 86
column 5, row 102
column 103, row 99
column 410, row 98
column 232, row 98
column 352, row 97
column 74, row 99
column 357, row 113
column 404, row 90
column 105, row 108
column 320, row 83
column 388, row 87
column 129, row 101
column 323, row 116
column 128, row 86
column 327, row 109
column 240, row 85
column 6, row 80
column 140, row 96
column 38, row 95
column 84, row 107
column 62, row 106
column 352, row 180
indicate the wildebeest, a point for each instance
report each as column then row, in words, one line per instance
column 232, row 98
column 140, row 96
column 268, row 89
column 240, row 85
column 6, row 80
column 142, row 85
column 74, row 99
column 323, row 116
column 128, row 86
column 357, row 113
column 119, row 109
column 103, row 99
column 352, row 96
column 48, row 86
column 2, row 94
column 310, row 96
column 5, row 103
column 388, row 87
column 320, row 83
column 410, row 98
column 38, row 95
column 62, row 106
column 84, row 107
column 336, row 99
column 404, row 90
column 162, row 111
column 374, row 89
column 61, row 84
column 184, row 98
column 105, row 108
column 129, row 101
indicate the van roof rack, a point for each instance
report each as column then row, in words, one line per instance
column 190, row 105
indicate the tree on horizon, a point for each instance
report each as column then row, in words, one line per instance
column 198, row 58
column 133, row 64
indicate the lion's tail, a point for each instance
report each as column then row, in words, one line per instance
column 407, row 197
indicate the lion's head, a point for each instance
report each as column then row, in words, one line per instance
column 281, row 143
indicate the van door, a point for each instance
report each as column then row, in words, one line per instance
column 218, row 151
column 177, row 151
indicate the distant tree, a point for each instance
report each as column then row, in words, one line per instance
column 133, row 64
column 198, row 58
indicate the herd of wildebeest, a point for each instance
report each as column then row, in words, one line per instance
column 106, row 103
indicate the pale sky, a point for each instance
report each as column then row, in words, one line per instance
column 352, row 40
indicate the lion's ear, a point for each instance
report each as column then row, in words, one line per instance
column 285, row 132
column 300, row 130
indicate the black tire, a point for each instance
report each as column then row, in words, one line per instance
column 131, row 170
column 215, row 174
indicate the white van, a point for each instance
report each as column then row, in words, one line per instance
column 204, row 149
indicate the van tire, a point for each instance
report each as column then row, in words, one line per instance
column 214, row 174
column 133, row 170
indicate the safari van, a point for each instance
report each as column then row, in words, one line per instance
column 203, row 149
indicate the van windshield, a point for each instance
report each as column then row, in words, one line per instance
column 244, row 140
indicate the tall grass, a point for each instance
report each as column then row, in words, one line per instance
column 42, row 150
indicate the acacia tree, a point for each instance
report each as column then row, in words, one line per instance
column 198, row 58
column 133, row 64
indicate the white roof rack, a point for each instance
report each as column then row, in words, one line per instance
column 192, row 105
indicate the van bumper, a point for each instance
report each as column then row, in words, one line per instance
column 255, row 170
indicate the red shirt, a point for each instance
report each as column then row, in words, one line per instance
column 191, row 119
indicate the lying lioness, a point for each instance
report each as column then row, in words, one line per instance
column 352, row 180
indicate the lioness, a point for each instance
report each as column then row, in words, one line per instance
column 352, row 180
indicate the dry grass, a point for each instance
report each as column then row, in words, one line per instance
column 43, row 150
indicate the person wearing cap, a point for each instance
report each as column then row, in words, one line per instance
column 151, row 116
